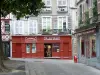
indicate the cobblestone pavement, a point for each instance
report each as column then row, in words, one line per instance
column 57, row 67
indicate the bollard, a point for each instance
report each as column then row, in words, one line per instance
column 75, row 59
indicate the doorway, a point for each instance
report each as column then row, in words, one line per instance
column 47, row 50
column 6, row 48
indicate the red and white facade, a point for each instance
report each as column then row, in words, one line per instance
column 5, row 31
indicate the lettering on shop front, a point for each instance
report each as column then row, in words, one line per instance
column 30, row 39
column 51, row 38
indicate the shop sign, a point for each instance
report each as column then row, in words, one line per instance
column 30, row 39
column 86, row 32
column 51, row 38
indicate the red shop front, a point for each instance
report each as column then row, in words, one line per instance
column 42, row 46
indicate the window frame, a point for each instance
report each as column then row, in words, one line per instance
column 8, row 27
column 62, row 22
column 33, row 26
column 46, row 22
column 19, row 29
column 34, row 51
column 53, row 48
column 62, row 2
column 45, row 1
column 29, row 48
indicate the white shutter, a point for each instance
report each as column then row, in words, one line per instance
column 98, row 6
column 90, row 12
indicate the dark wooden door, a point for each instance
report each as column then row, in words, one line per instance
column 6, row 48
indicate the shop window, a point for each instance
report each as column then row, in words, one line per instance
column 27, row 48
column 56, row 47
column 82, row 48
column 33, row 48
column 93, row 49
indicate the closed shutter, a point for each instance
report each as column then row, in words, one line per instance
column 98, row 6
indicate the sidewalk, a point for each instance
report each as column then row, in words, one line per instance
column 18, row 67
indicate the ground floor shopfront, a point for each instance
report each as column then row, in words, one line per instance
column 98, row 47
column 86, row 45
column 41, row 46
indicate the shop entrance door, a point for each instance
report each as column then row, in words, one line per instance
column 47, row 50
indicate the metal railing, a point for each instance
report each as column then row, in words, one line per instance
column 56, row 31
column 93, row 20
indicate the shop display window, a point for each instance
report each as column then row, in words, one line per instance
column 33, row 48
column 27, row 48
column 56, row 47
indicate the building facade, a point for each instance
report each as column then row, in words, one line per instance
column 55, row 20
column 98, row 36
column 5, row 33
column 86, row 33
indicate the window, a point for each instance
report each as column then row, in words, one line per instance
column 46, row 23
column 62, row 23
column 18, row 27
column 32, row 27
column 47, row 2
column 27, row 48
column 93, row 48
column 56, row 47
column 80, row 12
column 7, row 26
column 89, row 3
column 33, row 48
column 62, row 2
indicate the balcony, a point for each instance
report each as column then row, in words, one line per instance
column 93, row 21
column 56, row 32
column 62, row 9
column 47, row 9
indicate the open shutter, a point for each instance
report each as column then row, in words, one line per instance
column 98, row 6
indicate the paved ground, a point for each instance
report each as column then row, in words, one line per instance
column 56, row 67
column 18, row 67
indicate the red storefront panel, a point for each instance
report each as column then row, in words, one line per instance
column 66, row 48
column 17, row 51
column 25, row 46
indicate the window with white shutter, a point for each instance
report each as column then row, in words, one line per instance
column 62, row 22
column 32, row 27
column 98, row 6
column 19, row 27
